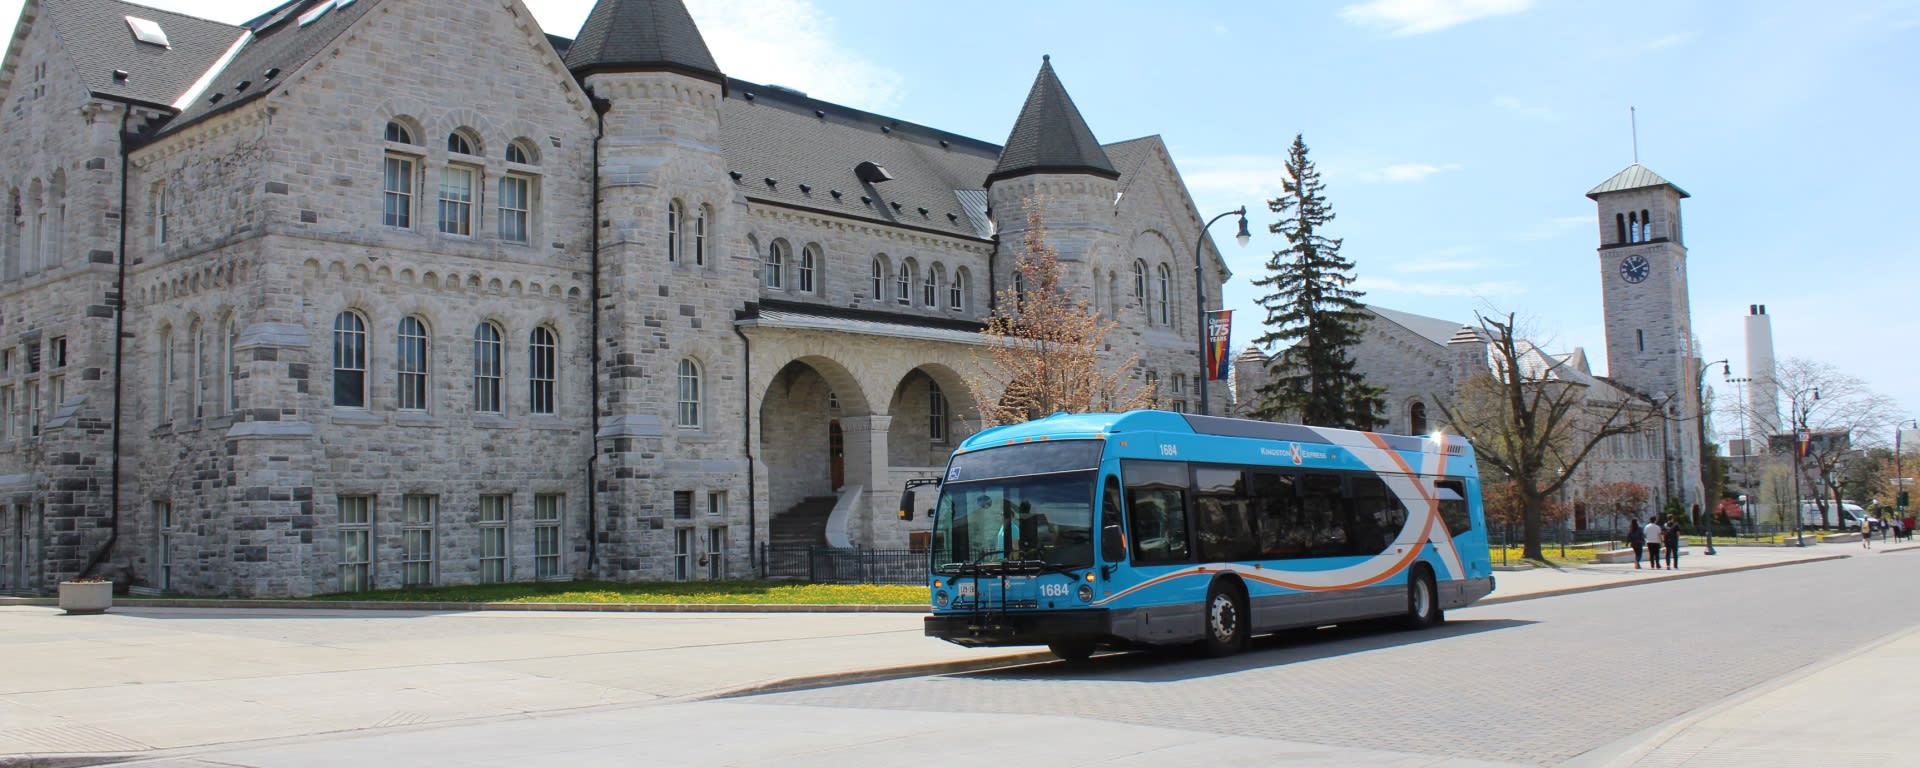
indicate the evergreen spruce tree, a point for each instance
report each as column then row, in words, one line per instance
column 1312, row 309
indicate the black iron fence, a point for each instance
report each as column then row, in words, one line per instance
column 843, row 565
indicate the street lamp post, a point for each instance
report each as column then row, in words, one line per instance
column 1800, row 435
column 1899, row 481
column 1200, row 294
column 1746, row 450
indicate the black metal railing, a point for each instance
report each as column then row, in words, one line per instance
column 843, row 565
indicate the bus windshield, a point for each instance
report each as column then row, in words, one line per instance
column 1020, row 507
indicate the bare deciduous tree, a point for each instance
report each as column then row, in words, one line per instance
column 1044, row 346
column 1842, row 415
column 1532, row 421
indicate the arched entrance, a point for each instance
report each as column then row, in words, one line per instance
column 809, row 408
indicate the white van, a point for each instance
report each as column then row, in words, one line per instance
column 1848, row 515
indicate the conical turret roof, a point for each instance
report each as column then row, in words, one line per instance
column 1050, row 136
column 641, row 36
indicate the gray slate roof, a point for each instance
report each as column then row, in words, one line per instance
column 1635, row 176
column 279, row 43
column 778, row 134
column 1431, row 328
column 641, row 35
column 98, row 41
column 1050, row 136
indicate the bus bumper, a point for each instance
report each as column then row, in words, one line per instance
column 1024, row 628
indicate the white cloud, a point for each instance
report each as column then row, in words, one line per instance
column 1523, row 109
column 791, row 43
column 1554, row 227
column 1406, row 172
column 1417, row 17
column 1233, row 177
column 1485, row 288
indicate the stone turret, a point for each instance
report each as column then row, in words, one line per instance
column 1052, row 158
column 667, row 292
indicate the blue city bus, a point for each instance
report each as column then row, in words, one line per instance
column 1149, row 528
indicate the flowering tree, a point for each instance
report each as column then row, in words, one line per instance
column 1044, row 346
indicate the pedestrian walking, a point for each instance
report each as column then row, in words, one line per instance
column 1906, row 526
column 1866, row 532
column 1637, row 539
column 1653, row 532
column 1670, row 536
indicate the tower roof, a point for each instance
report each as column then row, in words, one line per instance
column 641, row 36
column 1050, row 136
column 1636, row 176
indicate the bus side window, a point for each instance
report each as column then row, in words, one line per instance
column 1222, row 524
column 1276, row 515
column 1377, row 515
column 1452, row 495
column 1159, row 524
column 1113, row 547
column 1323, row 511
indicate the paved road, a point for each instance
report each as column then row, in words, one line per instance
column 1583, row 679
column 1535, row 682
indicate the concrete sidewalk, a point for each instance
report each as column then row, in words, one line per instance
column 139, row 680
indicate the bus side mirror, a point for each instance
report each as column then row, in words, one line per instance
column 906, row 505
column 1113, row 544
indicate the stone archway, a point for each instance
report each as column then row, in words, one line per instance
column 932, row 409
column 805, row 403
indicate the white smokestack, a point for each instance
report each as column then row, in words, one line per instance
column 1763, row 392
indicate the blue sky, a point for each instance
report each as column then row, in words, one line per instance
column 1457, row 137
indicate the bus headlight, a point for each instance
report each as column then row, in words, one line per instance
column 1086, row 593
column 940, row 598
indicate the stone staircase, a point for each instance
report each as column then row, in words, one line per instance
column 804, row 525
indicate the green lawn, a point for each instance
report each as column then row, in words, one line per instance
column 694, row 592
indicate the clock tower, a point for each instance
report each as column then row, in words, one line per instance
column 1650, row 348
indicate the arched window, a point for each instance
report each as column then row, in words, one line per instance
column 196, row 374
column 165, row 398
column 160, row 213
column 687, row 412
column 776, row 269
column 930, row 290
column 1646, row 225
column 1139, row 283
column 349, row 360
column 957, row 291
column 700, row 237
column 410, row 365
column 1620, row 227
column 1019, row 286
column 459, row 144
column 542, row 355
column 809, row 261
column 1163, row 292
column 398, row 133
column 936, row 413
column 1417, row 419
column 517, row 153
column 879, row 275
column 488, row 364
column 673, row 231
column 230, row 365
column 903, row 283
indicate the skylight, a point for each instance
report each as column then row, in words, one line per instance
column 313, row 14
column 148, row 31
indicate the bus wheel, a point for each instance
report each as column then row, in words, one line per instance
column 1226, row 620
column 1423, row 602
column 1072, row 651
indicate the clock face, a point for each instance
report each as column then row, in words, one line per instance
column 1634, row 268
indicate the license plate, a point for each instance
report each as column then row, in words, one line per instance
column 963, row 588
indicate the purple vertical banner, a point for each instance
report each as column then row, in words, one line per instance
column 1219, row 336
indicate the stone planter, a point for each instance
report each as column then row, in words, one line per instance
column 86, row 596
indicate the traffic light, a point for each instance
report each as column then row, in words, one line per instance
column 1900, row 501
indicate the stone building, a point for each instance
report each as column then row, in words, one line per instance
column 390, row 292
column 1651, row 360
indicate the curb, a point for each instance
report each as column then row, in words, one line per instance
column 383, row 605
column 1496, row 600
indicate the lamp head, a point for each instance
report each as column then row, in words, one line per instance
column 1243, row 236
